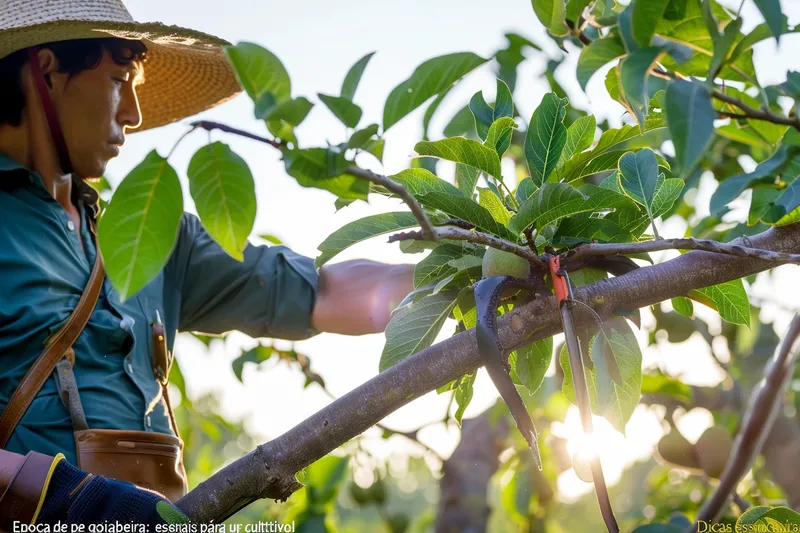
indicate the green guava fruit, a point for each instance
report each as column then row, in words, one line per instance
column 499, row 263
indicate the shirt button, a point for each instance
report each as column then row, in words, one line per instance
column 70, row 225
column 130, row 368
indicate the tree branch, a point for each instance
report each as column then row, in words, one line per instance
column 269, row 471
column 759, row 114
column 487, row 239
column 398, row 189
column 764, row 406
column 594, row 249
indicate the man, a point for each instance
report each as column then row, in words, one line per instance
column 72, row 90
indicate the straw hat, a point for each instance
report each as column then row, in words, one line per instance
column 186, row 70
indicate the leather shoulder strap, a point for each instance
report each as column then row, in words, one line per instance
column 56, row 348
column 22, row 499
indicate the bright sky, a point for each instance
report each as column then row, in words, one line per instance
column 318, row 41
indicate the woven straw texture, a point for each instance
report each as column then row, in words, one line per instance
column 186, row 70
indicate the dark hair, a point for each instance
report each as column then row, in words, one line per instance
column 74, row 57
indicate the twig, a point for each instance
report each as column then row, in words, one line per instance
column 759, row 114
column 391, row 185
column 756, row 423
column 594, row 249
column 530, row 240
column 458, row 234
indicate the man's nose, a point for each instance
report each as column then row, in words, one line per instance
column 129, row 115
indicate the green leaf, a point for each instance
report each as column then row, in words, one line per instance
column 792, row 84
column 659, row 528
column 257, row 355
column 552, row 14
column 597, row 54
column 494, row 205
column 361, row 138
column 667, row 386
column 638, row 176
column 683, row 306
column 483, row 114
column 580, row 136
column 732, row 187
column 546, row 137
column 499, row 136
column 459, row 206
column 771, row 9
column 462, row 124
column 646, row 15
column 524, row 190
column 690, row 118
column 576, row 230
column 345, row 110
column 634, row 72
column 466, row 178
column 436, row 265
column 225, row 196
column 353, row 77
column 360, row 230
column 465, row 151
column 504, row 102
column 271, row 238
column 676, row 10
column 666, row 195
column 464, row 395
column 426, row 120
column 419, row 181
column 769, row 518
column 323, row 479
column 259, row 71
column 530, row 363
column 729, row 298
column 785, row 204
column 324, row 169
column 292, row 111
column 723, row 45
column 428, row 79
column 615, row 381
column 140, row 226
column 415, row 327
column 575, row 8
column 554, row 201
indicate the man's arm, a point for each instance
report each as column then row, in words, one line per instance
column 357, row 297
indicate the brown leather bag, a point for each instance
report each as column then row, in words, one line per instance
column 148, row 459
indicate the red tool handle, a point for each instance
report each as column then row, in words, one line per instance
column 559, row 281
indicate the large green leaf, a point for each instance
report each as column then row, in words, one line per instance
column 225, row 196
column 690, row 118
column 552, row 14
column 466, row 178
column 345, row 110
column 138, row 229
column 464, row 151
column 419, row 181
column 259, row 71
column 580, row 136
column 353, row 76
column 768, row 518
column 324, row 169
column 362, row 229
column 554, row 201
column 504, row 103
column 638, row 177
column 634, row 73
column 463, row 395
column 498, row 138
column 729, row 298
column 615, row 381
column 646, row 15
column 428, row 79
column 494, row 205
column 415, row 327
column 362, row 138
column 786, row 203
column 292, row 111
column 530, row 363
column 436, row 265
column 598, row 53
column 577, row 230
column 546, row 137
column 483, row 114
column 771, row 9
column 459, row 206
column 666, row 195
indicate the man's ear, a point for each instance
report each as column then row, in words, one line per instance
column 48, row 63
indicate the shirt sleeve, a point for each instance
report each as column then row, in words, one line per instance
column 269, row 294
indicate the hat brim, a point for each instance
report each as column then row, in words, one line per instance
column 186, row 71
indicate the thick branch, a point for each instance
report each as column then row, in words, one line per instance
column 268, row 471
column 587, row 250
column 764, row 406
column 487, row 239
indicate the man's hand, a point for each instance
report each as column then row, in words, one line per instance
column 357, row 297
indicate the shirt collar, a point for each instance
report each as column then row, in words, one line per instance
column 82, row 192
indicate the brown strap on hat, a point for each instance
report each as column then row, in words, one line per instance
column 49, row 111
column 57, row 348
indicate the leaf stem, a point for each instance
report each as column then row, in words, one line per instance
column 756, row 423
column 587, row 250
column 179, row 140
column 427, row 227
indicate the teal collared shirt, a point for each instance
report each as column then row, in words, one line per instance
column 43, row 271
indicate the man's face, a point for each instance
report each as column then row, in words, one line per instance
column 95, row 108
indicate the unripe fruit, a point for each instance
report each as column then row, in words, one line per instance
column 674, row 448
column 713, row 450
column 499, row 263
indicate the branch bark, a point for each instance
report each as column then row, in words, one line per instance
column 269, row 470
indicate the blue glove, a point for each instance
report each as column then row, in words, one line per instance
column 75, row 497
